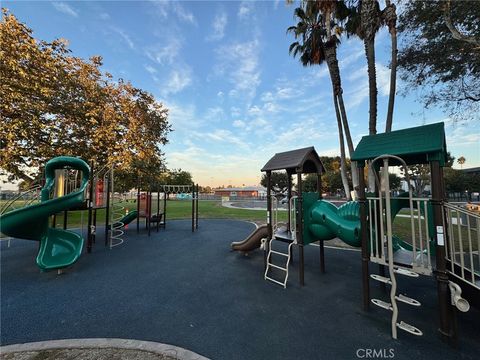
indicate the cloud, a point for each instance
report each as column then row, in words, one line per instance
column 178, row 79
column 239, row 124
column 358, row 83
column 150, row 69
column 165, row 9
column 165, row 53
column 104, row 16
column 245, row 9
column 182, row 117
column 240, row 62
column 65, row 8
column 218, row 27
column 183, row 14
column 124, row 36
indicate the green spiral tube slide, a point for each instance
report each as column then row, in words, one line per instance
column 327, row 222
column 58, row 248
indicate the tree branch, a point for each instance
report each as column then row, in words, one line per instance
column 455, row 32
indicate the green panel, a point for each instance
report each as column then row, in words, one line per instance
column 59, row 249
column 417, row 145
column 308, row 200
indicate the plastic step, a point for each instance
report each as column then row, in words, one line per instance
column 382, row 304
column 407, row 300
column 406, row 272
column 409, row 328
column 381, row 279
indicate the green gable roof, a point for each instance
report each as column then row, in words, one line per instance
column 418, row 145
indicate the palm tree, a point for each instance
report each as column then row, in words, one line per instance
column 369, row 25
column 461, row 160
column 389, row 16
column 319, row 38
column 362, row 18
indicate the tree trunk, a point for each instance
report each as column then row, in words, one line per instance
column 391, row 21
column 348, row 136
column 334, row 70
column 370, row 22
column 372, row 86
column 343, row 170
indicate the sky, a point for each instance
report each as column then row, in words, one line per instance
column 235, row 95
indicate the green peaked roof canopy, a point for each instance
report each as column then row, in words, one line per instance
column 304, row 160
column 417, row 145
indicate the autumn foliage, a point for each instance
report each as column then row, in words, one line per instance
column 53, row 103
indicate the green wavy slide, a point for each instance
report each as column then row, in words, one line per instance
column 58, row 248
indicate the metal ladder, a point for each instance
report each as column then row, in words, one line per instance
column 289, row 235
column 389, row 261
column 271, row 265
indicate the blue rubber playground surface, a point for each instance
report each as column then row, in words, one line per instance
column 189, row 290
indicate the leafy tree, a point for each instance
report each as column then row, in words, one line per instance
column 279, row 181
column 179, row 177
column 461, row 160
column 55, row 104
column 394, row 181
column 440, row 52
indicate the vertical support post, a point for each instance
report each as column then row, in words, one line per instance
column 54, row 220
column 94, row 234
column 193, row 207
column 158, row 208
column 65, row 219
column 299, row 229
column 289, row 196
column 196, row 208
column 149, row 210
column 269, row 219
column 90, row 210
column 321, row 242
column 165, row 195
column 138, row 209
column 364, row 236
column 107, row 210
column 446, row 311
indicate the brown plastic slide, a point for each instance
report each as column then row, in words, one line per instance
column 253, row 241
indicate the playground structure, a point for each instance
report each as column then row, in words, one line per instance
column 72, row 185
column 145, row 208
column 58, row 248
column 444, row 239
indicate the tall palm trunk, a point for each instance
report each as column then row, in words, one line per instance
column 390, row 17
column 334, row 70
column 343, row 168
column 369, row 26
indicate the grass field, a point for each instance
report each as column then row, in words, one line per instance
column 182, row 209
column 176, row 209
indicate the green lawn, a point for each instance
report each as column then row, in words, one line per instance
column 178, row 209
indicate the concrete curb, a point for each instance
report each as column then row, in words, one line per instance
column 103, row 343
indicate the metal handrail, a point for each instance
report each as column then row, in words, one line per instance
column 471, row 225
column 293, row 218
column 11, row 202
